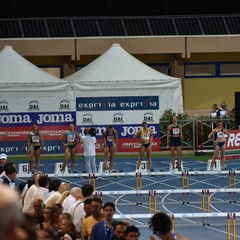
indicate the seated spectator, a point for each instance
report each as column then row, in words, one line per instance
column 222, row 112
column 131, row 233
column 3, row 160
column 214, row 111
column 161, row 225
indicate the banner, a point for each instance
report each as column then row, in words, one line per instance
column 233, row 145
column 125, row 114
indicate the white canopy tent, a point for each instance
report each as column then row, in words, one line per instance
column 118, row 73
column 20, row 78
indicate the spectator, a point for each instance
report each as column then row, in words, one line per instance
column 67, row 229
column 77, row 209
column 53, row 186
column 3, row 159
column 103, row 230
column 56, row 211
column 96, row 216
column 214, row 111
column 10, row 216
column 47, row 218
column 89, row 142
column 51, row 200
column 161, row 225
column 119, row 231
column 222, row 112
column 10, row 175
column 131, row 233
column 38, row 211
column 42, row 191
column 75, row 195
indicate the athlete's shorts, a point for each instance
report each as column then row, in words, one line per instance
column 109, row 144
column 175, row 143
column 72, row 146
column 35, row 148
column 220, row 144
column 146, row 145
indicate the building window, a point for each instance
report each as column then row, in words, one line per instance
column 230, row 69
column 56, row 71
column 200, row 70
column 164, row 68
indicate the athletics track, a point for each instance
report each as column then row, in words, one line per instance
column 202, row 204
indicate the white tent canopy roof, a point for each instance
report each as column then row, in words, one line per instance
column 116, row 64
column 15, row 69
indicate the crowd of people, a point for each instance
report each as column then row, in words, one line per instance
column 49, row 209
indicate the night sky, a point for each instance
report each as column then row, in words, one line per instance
column 60, row 8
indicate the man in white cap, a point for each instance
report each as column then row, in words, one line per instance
column 3, row 159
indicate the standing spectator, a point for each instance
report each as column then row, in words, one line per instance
column 161, row 225
column 10, row 175
column 109, row 146
column 37, row 214
column 67, row 229
column 89, row 142
column 96, row 216
column 217, row 136
column 214, row 111
column 131, row 233
column 146, row 136
column 75, row 194
column 223, row 111
column 10, row 217
column 77, row 209
column 42, row 191
column 70, row 139
column 35, row 145
column 175, row 142
column 103, row 230
column 119, row 231
column 52, row 200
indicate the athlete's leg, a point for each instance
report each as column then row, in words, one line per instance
column 141, row 153
column 172, row 153
column 37, row 159
column 179, row 153
column 66, row 156
column 111, row 151
column 72, row 154
column 222, row 152
column 149, row 160
column 215, row 155
column 32, row 157
column 106, row 151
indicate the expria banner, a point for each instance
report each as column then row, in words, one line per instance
column 15, row 128
column 124, row 113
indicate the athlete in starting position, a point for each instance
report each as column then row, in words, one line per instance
column 109, row 146
column 35, row 145
column 217, row 136
column 72, row 139
column 146, row 136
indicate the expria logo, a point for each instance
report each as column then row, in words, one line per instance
column 117, row 103
column 4, row 106
column 118, row 117
column 87, row 118
column 132, row 130
column 64, row 104
column 33, row 105
column 50, row 148
column 9, row 149
column 148, row 116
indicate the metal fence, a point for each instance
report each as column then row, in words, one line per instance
column 195, row 133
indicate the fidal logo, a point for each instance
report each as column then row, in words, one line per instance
column 118, row 117
column 148, row 116
column 4, row 106
column 64, row 104
column 33, row 105
column 87, row 118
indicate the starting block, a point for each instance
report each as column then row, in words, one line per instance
column 216, row 166
column 58, row 168
column 143, row 167
column 176, row 162
column 23, row 168
column 101, row 167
